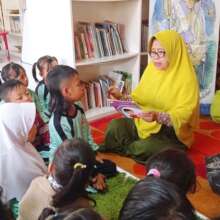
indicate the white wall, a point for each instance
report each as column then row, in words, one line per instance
column 41, row 16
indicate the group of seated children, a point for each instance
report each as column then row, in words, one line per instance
column 50, row 127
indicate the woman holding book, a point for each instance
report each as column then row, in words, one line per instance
column 168, row 94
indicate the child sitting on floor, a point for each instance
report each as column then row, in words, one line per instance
column 152, row 199
column 174, row 166
column 17, row 72
column 15, row 91
column 65, row 187
column 43, row 65
column 80, row 214
column 68, row 119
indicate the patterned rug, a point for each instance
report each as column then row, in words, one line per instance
column 207, row 142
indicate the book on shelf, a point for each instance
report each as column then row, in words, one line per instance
column 100, row 39
column 96, row 92
column 144, row 35
column 128, row 108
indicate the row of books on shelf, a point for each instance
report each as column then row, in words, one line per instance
column 96, row 92
column 144, row 35
column 15, row 25
column 96, row 40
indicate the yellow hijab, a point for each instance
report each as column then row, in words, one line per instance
column 174, row 90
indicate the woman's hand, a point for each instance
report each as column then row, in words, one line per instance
column 148, row 116
column 114, row 93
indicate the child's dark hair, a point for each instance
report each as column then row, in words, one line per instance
column 48, row 60
column 7, row 87
column 156, row 199
column 73, row 163
column 174, row 166
column 54, row 79
column 11, row 71
column 5, row 213
column 80, row 214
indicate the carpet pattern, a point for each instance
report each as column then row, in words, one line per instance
column 207, row 142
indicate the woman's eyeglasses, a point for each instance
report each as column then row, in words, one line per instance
column 157, row 54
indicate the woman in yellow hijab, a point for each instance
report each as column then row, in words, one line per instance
column 168, row 94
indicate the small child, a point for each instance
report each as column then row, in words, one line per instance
column 16, row 71
column 65, row 187
column 152, row 199
column 174, row 166
column 15, row 91
column 80, row 214
column 68, row 119
column 44, row 65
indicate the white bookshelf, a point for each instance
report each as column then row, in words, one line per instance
column 53, row 33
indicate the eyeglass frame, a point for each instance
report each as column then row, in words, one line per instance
column 159, row 54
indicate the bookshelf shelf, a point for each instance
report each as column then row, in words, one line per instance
column 14, row 15
column 144, row 53
column 105, row 59
column 96, row 113
column 15, row 34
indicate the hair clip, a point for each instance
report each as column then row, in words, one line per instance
column 79, row 165
column 154, row 172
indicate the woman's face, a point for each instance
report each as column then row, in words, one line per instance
column 158, row 56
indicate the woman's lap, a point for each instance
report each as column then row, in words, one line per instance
column 121, row 137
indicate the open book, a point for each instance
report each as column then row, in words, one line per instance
column 128, row 108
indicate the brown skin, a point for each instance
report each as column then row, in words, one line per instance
column 72, row 91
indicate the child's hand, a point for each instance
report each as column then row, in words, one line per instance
column 114, row 93
column 32, row 134
column 148, row 116
column 99, row 182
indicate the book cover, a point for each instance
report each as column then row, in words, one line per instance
column 128, row 108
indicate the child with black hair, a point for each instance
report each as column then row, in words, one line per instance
column 68, row 119
column 156, row 199
column 80, row 214
column 15, row 91
column 65, row 187
column 174, row 166
column 43, row 65
column 15, row 71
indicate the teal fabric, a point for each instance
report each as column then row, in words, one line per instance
column 80, row 130
column 44, row 103
column 14, row 206
column 121, row 137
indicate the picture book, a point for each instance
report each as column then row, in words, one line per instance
column 128, row 108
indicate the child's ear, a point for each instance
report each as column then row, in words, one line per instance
column 64, row 91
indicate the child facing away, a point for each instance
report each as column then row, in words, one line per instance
column 15, row 71
column 65, row 187
column 15, row 91
column 174, row 166
column 43, row 65
column 19, row 160
column 68, row 119
column 80, row 214
column 152, row 199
